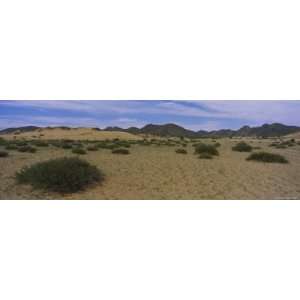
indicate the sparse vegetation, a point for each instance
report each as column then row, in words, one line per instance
column 242, row 147
column 65, row 175
column 11, row 147
column 267, row 157
column 205, row 156
column 181, row 151
column 92, row 148
column 79, row 151
column 120, row 151
column 3, row 154
column 40, row 144
column 28, row 149
column 66, row 146
column 205, row 148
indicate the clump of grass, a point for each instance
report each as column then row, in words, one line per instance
column 11, row 147
column 120, row 151
column 3, row 154
column 217, row 144
column 66, row 146
column 181, row 151
column 28, row 149
column 274, row 144
column 65, row 175
column 205, row 148
column 242, row 147
column 280, row 146
column 3, row 142
column 92, row 148
column 21, row 143
column 268, row 157
column 79, row 151
column 40, row 144
column 205, row 156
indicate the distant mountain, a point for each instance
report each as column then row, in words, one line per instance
column 19, row 129
column 266, row 130
column 173, row 130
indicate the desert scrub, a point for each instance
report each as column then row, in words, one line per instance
column 92, row 148
column 268, row 157
column 65, row 175
column 11, row 147
column 205, row 156
column 205, row 148
column 242, row 147
column 40, row 144
column 3, row 154
column 181, row 151
column 2, row 142
column 78, row 151
column 66, row 146
column 28, row 149
column 120, row 151
column 217, row 145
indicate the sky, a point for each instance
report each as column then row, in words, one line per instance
column 194, row 115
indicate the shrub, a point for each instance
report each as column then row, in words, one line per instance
column 66, row 146
column 21, row 143
column 3, row 154
column 280, row 146
column 78, row 151
column 41, row 144
column 273, row 144
column 11, row 147
column 267, row 157
column 217, row 144
column 205, row 156
column 242, row 147
column 181, row 151
column 66, row 175
column 92, row 148
column 27, row 149
column 120, row 151
column 2, row 141
column 205, row 148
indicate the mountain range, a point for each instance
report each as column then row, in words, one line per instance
column 173, row 130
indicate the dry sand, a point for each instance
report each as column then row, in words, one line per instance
column 74, row 133
column 152, row 172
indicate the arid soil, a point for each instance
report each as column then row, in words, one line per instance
column 74, row 133
column 157, row 172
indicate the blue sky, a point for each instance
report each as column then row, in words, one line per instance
column 195, row 115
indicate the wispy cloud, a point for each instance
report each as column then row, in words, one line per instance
column 208, row 115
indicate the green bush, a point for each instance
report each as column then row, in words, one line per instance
column 205, row 148
column 242, row 147
column 3, row 142
column 28, row 149
column 267, row 157
column 120, row 151
column 217, row 144
column 205, row 156
column 181, row 151
column 40, row 144
column 21, row 143
column 11, row 147
column 3, row 154
column 78, row 151
column 65, row 175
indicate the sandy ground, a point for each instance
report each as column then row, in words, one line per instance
column 74, row 133
column 152, row 172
